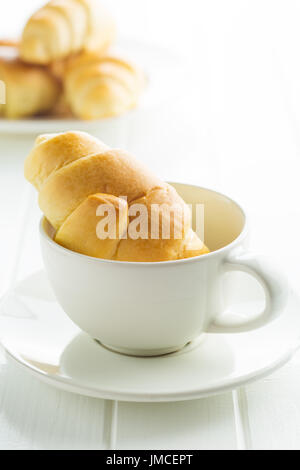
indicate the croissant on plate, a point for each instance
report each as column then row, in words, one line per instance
column 29, row 90
column 76, row 174
column 101, row 86
column 64, row 27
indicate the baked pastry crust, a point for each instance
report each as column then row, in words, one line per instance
column 29, row 89
column 64, row 27
column 76, row 173
column 101, row 86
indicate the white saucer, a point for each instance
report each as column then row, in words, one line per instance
column 160, row 67
column 37, row 334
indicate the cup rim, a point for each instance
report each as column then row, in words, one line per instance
column 193, row 259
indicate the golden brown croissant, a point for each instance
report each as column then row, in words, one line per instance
column 65, row 27
column 29, row 89
column 101, row 86
column 76, row 175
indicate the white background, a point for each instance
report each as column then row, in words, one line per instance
column 237, row 131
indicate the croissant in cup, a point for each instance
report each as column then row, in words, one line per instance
column 64, row 27
column 101, row 86
column 76, row 175
column 28, row 89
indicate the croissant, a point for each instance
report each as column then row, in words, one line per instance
column 101, row 86
column 76, row 175
column 28, row 89
column 65, row 27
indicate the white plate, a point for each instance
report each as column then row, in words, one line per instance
column 37, row 334
column 160, row 67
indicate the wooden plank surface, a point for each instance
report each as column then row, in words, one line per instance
column 274, row 409
column 199, row 424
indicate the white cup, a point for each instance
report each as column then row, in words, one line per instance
column 149, row 309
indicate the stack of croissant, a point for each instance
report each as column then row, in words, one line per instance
column 62, row 65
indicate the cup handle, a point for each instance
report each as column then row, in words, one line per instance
column 275, row 287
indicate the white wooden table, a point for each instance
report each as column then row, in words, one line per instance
column 239, row 133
